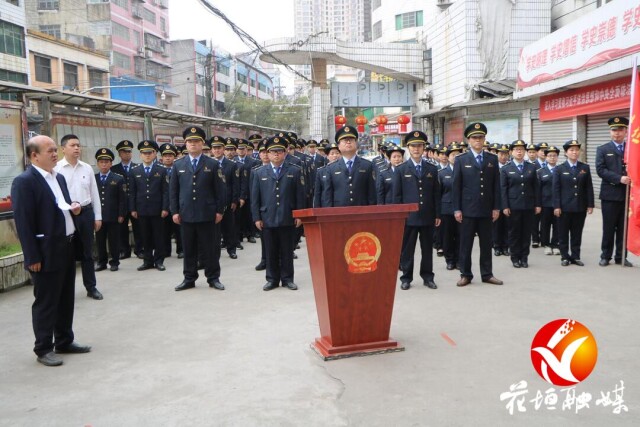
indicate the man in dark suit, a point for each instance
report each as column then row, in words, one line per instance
column 351, row 181
column 333, row 153
column 416, row 181
column 277, row 189
column 450, row 227
column 545, row 195
column 123, row 168
column 168, row 153
column 499, row 228
column 113, row 202
column 149, row 203
column 476, row 203
column 246, row 163
column 520, row 202
column 43, row 212
column 198, row 201
column 231, row 172
column 611, row 168
column 572, row 200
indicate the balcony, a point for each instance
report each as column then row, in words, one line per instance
column 136, row 12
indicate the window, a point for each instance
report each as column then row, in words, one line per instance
column 149, row 16
column 122, row 3
column 252, row 83
column 242, row 78
column 11, row 76
column 136, row 38
column 121, row 61
column 262, row 87
column 11, row 39
column 200, row 101
column 223, row 87
column 96, row 80
column 13, row 2
column 48, row 5
column 52, row 30
column 70, row 76
column 43, row 69
column 377, row 30
column 163, row 24
column 121, row 31
column 409, row 20
column 222, row 69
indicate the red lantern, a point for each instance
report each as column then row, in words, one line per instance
column 340, row 121
column 361, row 121
column 402, row 121
column 381, row 121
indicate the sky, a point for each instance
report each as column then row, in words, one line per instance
column 262, row 19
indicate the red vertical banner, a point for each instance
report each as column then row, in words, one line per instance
column 632, row 159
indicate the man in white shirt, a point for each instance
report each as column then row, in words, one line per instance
column 84, row 190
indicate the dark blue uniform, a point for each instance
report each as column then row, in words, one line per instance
column 149, row 196
column 547, row 219
column 611, row 168
column 321, row 178
column 500, row 233
column 113, row 202
column 342, row 188
column 384, row 186
column 232, row 176
column 272, row 202
column 450, row 227
column 573, row 194
column 197, row 196
column 244, row 224
column 519, row 194
column 125, row 245
column 411, row 185
column 476, row 193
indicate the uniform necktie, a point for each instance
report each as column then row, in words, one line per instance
column 194, row 162
column 277, row 171
column 621, row 148
column 242, row 161
column 103, row 178
column 349, row 163
column 146, row 170
column 520, row 167
column 126, row 169
column 573, row 168
column 479, row 159
column 419, row 169
column 544, row 164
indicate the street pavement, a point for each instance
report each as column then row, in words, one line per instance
column 241, row 357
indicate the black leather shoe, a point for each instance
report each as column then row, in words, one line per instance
column 604, row 262
column 290, row 285
column 180, row 255
column 451, row 266
column 565, row 262
column 269, row 286
column 578, row 263
column 160, row 266
column 298, row 246
column 125, row 255
column 506, row 252
column 101, row 267
column 200, row 265
column 251, row 239
column 50, row 359
column 440, row 252
column 239, row 246
column 233, row 256
column 184, row 286
column 516, row 264
column 497, row 252
column 535, row 244
column 492, row 280
column 144, row 267
column 74, row 348
column 95, row 294
column 261, row 266
column 140, row 255
column 216, row 285
column 405, row 285
column 627, row 263
column 295, row 256
column 524, row 264
column 113, row 268
column 431, row 284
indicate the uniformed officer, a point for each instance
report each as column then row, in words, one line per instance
column 520, row 202
column 540, row 155
column 384, row 182
column 611, row 168
column 113, row 201
column 278, row 189
column 572, row 200
column 123, row 168
column 476, row 203
column 332, row 152
column 500, row 228
column 532, row 153
column 449, row 226
column 198, row 200
column 545, row 191
column 539, row 163
column 464, row 146
column 231, row 172
column 149, row 203
column 244, row 224
column 168, row 154
column 255, row 139
column 416, row 181
column 264, row 160
column 350, row 180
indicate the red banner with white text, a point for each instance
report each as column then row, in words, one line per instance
column 632, row 159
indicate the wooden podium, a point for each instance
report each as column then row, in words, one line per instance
column 354, row 253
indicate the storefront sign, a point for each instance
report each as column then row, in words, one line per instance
column 608, row 33
column 597, row 98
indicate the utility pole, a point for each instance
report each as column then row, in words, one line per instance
column 208, row 79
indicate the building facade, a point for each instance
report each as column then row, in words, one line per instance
column 14, row 62
column 135, row 33
column 403, row 22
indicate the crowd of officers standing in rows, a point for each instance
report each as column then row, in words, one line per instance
column 218, row 191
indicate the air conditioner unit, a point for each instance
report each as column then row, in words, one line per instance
column 141, row 51
column 149, row 54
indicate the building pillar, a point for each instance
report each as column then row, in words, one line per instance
column 320, row 99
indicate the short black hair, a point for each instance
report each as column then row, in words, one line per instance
column 66, row 138
column 32, row 147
